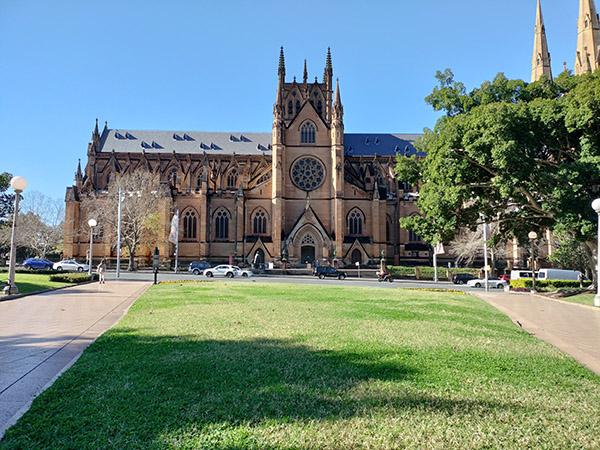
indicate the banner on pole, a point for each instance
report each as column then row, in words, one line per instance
column 439, row 249
column 174, row 234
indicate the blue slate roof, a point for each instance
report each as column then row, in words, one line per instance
column 241, row 143
column 382, row 144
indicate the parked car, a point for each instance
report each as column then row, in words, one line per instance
column 38, row 263
column 247, row 273
column 224, row 270
column 70, row 265
column 462, row 278
column 198, row 267
column 492, row 283
column 327, row 271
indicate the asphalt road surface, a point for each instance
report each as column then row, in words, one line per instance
column 296, row 279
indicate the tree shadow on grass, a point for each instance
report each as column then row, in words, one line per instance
column 128, row 390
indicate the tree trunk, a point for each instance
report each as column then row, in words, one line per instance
column 131, row 267
column 591, row 251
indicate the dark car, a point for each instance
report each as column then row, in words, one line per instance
column 198, row 267
column 462, row 278
column 327, row 271
column 37, row 263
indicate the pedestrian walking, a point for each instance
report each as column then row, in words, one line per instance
column 102, row 270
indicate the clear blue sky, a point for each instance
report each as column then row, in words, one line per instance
column 212, row 65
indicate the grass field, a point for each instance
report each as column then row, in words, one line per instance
column 219, row 365
column 31, row 282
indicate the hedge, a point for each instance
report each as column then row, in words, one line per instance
column 426, row 272
column 552, row 285
column 74, row 277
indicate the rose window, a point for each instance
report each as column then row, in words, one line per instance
column 308, row 173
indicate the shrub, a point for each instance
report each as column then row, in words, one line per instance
column 549, row 285
column 75, row 277
column 427, row 272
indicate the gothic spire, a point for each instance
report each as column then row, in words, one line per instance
column 588, row 38
column 328, row 66
column 337, row 103
column 305, row 73
column 540, row 64
column 281, row 71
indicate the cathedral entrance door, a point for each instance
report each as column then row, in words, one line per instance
column 307, row 254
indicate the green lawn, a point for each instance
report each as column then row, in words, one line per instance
column 30, row 282
column 584, row 299
column 219, row 365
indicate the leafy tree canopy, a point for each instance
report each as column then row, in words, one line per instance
column 6, row 199
column 527, row 156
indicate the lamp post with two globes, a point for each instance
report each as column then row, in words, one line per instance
column 18, row 184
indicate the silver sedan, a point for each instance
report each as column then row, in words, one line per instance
column 492, row 282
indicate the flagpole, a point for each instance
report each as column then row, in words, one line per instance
column 435, row 273
column 119, row 236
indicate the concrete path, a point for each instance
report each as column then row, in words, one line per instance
column 572, row 328
column 42, row 335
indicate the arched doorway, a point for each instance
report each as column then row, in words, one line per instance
column 307, row 249
column 356, row 256
column 259, row 258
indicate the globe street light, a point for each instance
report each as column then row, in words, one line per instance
column 18, row 184
column 532, row 237
column 92, row 223
column 596, row 207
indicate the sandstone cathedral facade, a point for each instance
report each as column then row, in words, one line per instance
column 306, row 192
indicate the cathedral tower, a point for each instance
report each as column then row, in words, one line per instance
column 540, row 65
column 588, row 38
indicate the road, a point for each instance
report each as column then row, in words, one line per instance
column 296, row 279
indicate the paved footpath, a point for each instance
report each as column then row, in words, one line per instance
column 42, row 335
column 572, row 328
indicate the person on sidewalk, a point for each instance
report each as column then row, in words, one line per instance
column 102, row 270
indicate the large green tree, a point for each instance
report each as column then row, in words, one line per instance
column 526, row 156
column 142, row 194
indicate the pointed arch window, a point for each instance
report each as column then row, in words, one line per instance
column 307, row 133
column 222, row 224
column 320, row 107
column 232, row 178
column 173, row 178
column 290, row 108
column 356, row 222
column 297, row 106
column 190, row 224
column 259, row 222
column 413, row 237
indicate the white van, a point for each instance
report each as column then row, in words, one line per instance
column 516, row 274
column 558, row 274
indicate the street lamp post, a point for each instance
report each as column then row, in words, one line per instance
column 596, row 207
column 92, row 223
column 532, row 237
column 18, row 184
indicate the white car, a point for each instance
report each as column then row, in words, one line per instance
column 492, row 282
column 70, row 265
column 224, row 270
column 247, row 273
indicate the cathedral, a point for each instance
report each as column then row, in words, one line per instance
column 306, row 192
